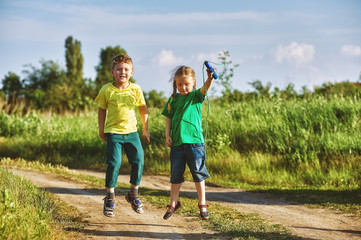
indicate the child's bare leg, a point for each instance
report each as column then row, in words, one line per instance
column 174, row 193
column 201, row 191
column 173, row 206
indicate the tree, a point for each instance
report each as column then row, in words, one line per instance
column 263, row 91
column 154, row 99
column 12, row 87
column 39, row 82
column 227, row 73
column 103, row 69
column 77, row 90
column 289, row 92
column 74, row 62
column 341, row 89
column 43, row 78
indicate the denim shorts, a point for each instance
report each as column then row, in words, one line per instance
column 191, row 154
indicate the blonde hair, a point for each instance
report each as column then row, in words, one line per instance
column 121, row 58
column 181, row 71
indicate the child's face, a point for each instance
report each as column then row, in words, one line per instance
column 184, row 85
column 122, row 72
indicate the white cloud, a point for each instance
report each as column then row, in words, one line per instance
column 295, row 53
column 166, row 58
column 351, row 50
column 200, row 57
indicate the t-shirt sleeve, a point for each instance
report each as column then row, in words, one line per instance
column 167, row 110
column 199, row 96
column 101, row 98
column 140, row 101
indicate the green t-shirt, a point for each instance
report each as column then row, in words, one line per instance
column 120, row 106
column 185, row 112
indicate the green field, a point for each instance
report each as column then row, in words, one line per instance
column 260, row 143
column 306, row 150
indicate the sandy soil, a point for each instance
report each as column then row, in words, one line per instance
column 302, row 221
column 126, row 224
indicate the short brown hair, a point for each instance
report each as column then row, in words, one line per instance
column 121, row 58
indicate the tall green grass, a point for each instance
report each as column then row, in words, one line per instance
column 69, row 140
column 299, row 142
column 28, row 212
column 268, row 142
column 305, row 131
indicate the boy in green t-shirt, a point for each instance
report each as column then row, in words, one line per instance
column 184, row 134
column 118, row 127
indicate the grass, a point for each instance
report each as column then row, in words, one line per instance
column 225, row 220
column 296, row 148
column 304, row 143
column 28, row 212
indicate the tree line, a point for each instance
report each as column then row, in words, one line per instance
column 53, row 88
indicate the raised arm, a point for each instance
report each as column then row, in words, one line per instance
column 207, row 85
column 144, row 116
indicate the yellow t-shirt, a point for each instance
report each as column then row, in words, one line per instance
column 120, row 106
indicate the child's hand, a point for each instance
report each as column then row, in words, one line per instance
column 210, row 73
column 102, row 136
column 146, row 136
column 168, row 141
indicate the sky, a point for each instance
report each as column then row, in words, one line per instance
column 305, row 43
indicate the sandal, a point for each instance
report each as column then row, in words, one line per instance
column 204, row 215
column 171, row 210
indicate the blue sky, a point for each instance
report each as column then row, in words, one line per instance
column 305, row 42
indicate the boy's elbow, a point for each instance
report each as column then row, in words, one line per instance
column 143, row 109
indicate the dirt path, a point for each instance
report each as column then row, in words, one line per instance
column 302, row 221
column 126, row 224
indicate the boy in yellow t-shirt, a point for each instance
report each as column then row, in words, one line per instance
column 118, row 127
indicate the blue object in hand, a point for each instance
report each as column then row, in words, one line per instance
column 215, row 76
